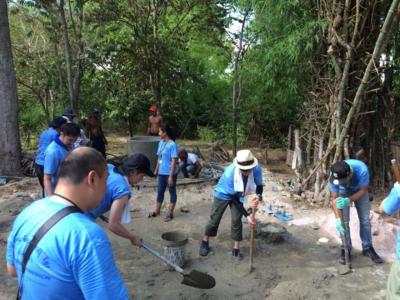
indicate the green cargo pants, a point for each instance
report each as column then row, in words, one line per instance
column 393, row 283
column 217, row 211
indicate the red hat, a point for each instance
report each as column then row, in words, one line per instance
column 153, row 108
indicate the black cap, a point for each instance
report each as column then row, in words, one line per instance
column 57, row 122
column 339, row 172
column 138, row 162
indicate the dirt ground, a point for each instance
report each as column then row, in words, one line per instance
column 300, row 267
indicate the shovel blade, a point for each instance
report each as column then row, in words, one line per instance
column 198, row 280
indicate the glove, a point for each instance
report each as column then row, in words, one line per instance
column 342, row 202
column 339, row 226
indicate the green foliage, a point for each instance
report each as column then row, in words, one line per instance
column 206, row 134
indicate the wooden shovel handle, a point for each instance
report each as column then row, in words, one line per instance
column 395, row 169
column 253, row 214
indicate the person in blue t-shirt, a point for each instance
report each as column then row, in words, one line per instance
column 74, row 259
column 348, row 184
column 46, row 137
column 55, row 154
column 118, row 194
column 167, row 171
column 241, row 180
column 389, row 206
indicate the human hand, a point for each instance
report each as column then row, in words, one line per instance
column 170, row 181
column 137, row 241
column 254, row 200
column 342, row 202
column 339, row 226
column 250, row 220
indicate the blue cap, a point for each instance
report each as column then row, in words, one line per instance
column 69, row 112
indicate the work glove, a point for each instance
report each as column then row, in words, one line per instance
column 342, row 202
column 339, row 226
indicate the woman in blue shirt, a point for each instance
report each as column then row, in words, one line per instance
column 166, row 170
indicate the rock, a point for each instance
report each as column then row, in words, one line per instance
column 323, row 240
column 271, row 232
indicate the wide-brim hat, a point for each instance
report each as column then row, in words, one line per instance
column 245, row 160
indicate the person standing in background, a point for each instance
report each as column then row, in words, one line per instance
column 46, row 137
column 167, row 171
column 154, row 122
column 95, row 132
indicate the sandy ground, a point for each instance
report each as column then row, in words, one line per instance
column 298, row 268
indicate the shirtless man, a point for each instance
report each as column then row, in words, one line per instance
column 95, row 132
column 154, row 122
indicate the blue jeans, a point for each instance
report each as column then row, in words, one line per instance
column 161, row 187
column 363, row 206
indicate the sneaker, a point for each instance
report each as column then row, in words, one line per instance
column 236, row 254
column 370, row 252
column 342, row 256
column 204, row 248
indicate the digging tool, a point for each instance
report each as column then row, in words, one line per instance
column 194, row 278
column 346, row 268
column 395, row 169
column 396, row 172
column 253, row 214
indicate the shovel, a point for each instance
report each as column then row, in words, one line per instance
column 253, row 213
column 194, row 278
column 346, row 268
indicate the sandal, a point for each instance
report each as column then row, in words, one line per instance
column 168, row 217
column 152, row 214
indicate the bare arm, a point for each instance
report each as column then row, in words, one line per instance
column 47, row 185
column 157, row 167
column 11, row 270
column 114, row 223
column 359, row 194
column 171, row 173
column 198, row 169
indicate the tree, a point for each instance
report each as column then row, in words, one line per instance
column 10, row 150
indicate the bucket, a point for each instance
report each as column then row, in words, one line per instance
column 146, row 145
column 174, row 246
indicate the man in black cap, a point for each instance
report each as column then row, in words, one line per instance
column 46, row 137
column 118, row 193
column 69, row 114
column 348, row 184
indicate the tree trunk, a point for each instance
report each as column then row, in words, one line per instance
column 236, row 84
column 67, row 52
column 10, row 150
column 372, row 62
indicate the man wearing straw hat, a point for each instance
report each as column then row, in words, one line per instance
column 240, row 179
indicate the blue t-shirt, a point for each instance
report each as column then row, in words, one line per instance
column 390, row 206
column 46, row 137
column 360, row 179
column 117, row 187
column 166, row 151
column 73, row 260
column 53, row 157
column 225, row 187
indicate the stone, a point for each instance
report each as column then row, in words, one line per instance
column 271, row 232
